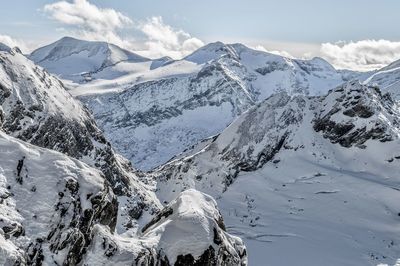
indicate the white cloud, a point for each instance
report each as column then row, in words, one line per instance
column 12, row 42
column 362, row 55
column 281, row 53
column 162, row 39
column 87, row 21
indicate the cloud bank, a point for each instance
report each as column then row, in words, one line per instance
column 362, row 55
column 166, row 40
column 84, row 20
column 11, row 42
column 276, row 52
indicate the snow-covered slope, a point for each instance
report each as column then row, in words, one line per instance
column 36, row 108
column 387, row 78
column 56, row 210
column 49, row 205
column 313, row 178
column 153, row 115
column 77, row 60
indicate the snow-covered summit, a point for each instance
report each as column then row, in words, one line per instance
column 72, row 59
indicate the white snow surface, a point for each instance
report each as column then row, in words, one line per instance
column 314, row 202
column 387, row 78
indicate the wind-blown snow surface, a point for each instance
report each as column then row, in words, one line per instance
column 153, row 112
column 305, row 181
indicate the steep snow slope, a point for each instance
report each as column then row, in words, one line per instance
column 151, row 117
column 387, row 78
column 49, row 205
column 77, row 60
column 313, row 178
column 57, row 210
column 36, row 108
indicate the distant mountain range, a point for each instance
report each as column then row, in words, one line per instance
column 151, row 114
column 301, row 158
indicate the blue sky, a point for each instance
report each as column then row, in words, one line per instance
column 291, row 26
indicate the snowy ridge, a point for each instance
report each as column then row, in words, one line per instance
column 188, row 231
column 49, row 203
column 220, row 83
column 310, row 174
column 76, row 59
column 36, row 108
column 387, row 78
column 349, row 115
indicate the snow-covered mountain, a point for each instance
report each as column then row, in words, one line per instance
column 77, row 60
column 313, row 178
column 150, row 115
column 387, row 78
column 58, row 210
column 37, row 109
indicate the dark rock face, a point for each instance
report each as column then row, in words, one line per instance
column 353, row 116
column 73, row 230
column 164, row 213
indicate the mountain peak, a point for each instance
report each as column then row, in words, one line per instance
column 73, row 59
column 210, row 52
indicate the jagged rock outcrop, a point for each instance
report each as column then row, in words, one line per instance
column 188, row 231
column 352, row 114
column 49, row 204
